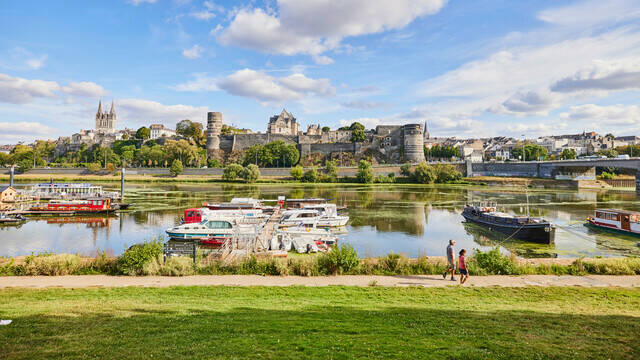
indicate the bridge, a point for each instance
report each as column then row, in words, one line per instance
column 581, row 169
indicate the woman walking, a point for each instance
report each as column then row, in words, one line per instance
column 462, row 267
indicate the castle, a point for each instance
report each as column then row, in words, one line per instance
column 385, row 143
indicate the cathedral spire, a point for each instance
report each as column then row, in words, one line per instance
column 100, row 107
column 111, row 111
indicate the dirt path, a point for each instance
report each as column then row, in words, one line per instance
column 350, row 280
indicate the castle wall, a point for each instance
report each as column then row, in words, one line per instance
column 413, row 143
column 327, row 149
column 244, row 141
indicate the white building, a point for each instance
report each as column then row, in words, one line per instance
column 158, row 131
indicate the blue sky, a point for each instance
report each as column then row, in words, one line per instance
column 469, row 68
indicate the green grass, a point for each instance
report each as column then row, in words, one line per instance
column 328, row 322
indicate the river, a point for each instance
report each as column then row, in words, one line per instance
column 412, row 220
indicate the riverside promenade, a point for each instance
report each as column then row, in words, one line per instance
column 89, row 281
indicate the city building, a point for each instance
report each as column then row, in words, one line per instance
column 283, row 124
column 7, row 194
column 158, row 131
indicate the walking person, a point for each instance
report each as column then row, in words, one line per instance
column 452, row 261
column 462, row 267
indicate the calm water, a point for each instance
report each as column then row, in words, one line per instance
column 410, row 220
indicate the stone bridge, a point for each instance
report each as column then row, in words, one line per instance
column 583, row 169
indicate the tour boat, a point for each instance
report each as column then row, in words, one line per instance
column 91, row 205
column 520, row 227
column 621, row 221
column 210, row 228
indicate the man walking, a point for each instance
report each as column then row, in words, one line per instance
column 452, row 261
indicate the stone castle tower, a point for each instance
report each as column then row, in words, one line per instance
column 105, row 122
column 214, row 127
column 413, row 142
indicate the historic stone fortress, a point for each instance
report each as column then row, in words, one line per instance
column 385, row 143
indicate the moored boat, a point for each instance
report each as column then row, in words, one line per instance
column 222, row 228
column 11, row 219
column 519, row 227
column 88, row 206
column 620, row 221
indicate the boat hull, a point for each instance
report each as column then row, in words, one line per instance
column 537, row 233
column 615, row 230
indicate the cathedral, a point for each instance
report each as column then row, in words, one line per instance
column 105, row 122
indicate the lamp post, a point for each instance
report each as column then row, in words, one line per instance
column 524, row 157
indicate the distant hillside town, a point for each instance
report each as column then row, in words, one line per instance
column 219, row 144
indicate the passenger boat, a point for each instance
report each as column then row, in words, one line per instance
column 520, row 227
column 221, row 228
column 88, row 206
column 620, row 221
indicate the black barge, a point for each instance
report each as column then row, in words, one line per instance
column 519, row 227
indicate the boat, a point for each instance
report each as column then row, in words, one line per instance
column 308, row 232
column 221, row 228
column 196, row 215
column 302, row 217
column 328, row 215
column 87, row 206
column 245, row 204
column 70, row 191
column 520, row 227
column 620, row 221
column 301, row 203
column 11, row 219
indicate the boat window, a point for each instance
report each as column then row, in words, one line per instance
column 189, row 213
column 635, row 218
column 218, row 225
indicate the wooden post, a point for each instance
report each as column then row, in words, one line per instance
column 122, row 184
column 194, row 256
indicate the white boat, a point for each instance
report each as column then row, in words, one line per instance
column 286, row 242
column 219, row 228
column 328, row 215
column 308, row 232
column 245, row 204
column 299, row 217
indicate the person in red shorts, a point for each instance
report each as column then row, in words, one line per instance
column 462, row 267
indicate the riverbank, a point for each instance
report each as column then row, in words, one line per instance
column 320, row 322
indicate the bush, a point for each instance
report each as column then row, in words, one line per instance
column 607, row 176
column 493, row 262
column 232, row 171
column 60, row 264
column 446, row 173
column 251, row 173
column 424, row 174
column 297, row 172
column 391, row 262
column 405, row 170
column 214, row 163
column 365, row 173
column 94, row 168
column 177, row 266
column 331, row 170
column 310, row 175
column 382, row 179
column 176, row 168
column 303, row 266
column 339, row 260
column 141, row 259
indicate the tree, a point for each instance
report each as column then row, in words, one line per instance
column 143, row 133
column 356, row 126
column 275, row 153
column 231, row 172
column 568, row 154
column 331, row 169
column 610, row 136
column 251, row 173
column 610, row 153
column 365, row 173
column 176, row 168
column 297, row 172
column 446, row 173
column 181, row 150
column 310, row 175
column 214, row 163
column 190, row 130
column 532, row 152
column 326, row 129
column 358, row 135
column 405, row 169
column 424, row 174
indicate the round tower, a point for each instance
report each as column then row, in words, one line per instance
column 214, row 126
column 413, row 143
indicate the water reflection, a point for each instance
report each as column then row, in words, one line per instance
column 404, row 219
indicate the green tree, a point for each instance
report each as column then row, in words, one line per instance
column 405, row 169
column 214, row 163
column 331, row 170
column 251, row 173
column 176, row 168
column 358, row 135
column 310, row 175
column 610, row 153
column 365, row 173
column 143, row 133
column 446, row 173
column 181, row 150
column 424, row 174
column 532, row 152
column 190, row 130
column 568, row 154
column 297, row 172
column 326, row 129
column 4, row 159
column 231, row 172
column 356, row 126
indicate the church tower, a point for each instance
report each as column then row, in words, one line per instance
column 106, row 121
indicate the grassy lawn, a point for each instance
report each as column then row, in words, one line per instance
column 333, row 322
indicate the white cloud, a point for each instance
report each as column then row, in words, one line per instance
column 528, row 103
column 210, row 5
column 602, row 75
column 203, row 15
column 315, row 26
column 193, row 53
column 25, row 128
column 261, row 86
column 613, row 115
column 591, row 13
column 138, row 2
column 142, row 111
column 36, row 63
column 22, row 59
column 84, row 88
column 365, row 105
column 20, row 91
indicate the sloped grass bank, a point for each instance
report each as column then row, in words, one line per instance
column 320, row 323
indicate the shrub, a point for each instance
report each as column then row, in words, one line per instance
column 331, row 169
column 251, row 173
column 232, row 171
column 60, row 264
column 339, row 260
column 405, row 170
column 446, row 173
column 365, row 173
column 310, row 175
column 94, row 168
column 303, row 266
column 297, row 172
column 141, row 259
column 385, row 179
column 111, row 168
column 606, row 175
column 214, row 163
column 391, row 262
column 177, row 266
column 176, row 168
column 424, row 174
column 493, row 262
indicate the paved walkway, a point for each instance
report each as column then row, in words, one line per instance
column 82, row 281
